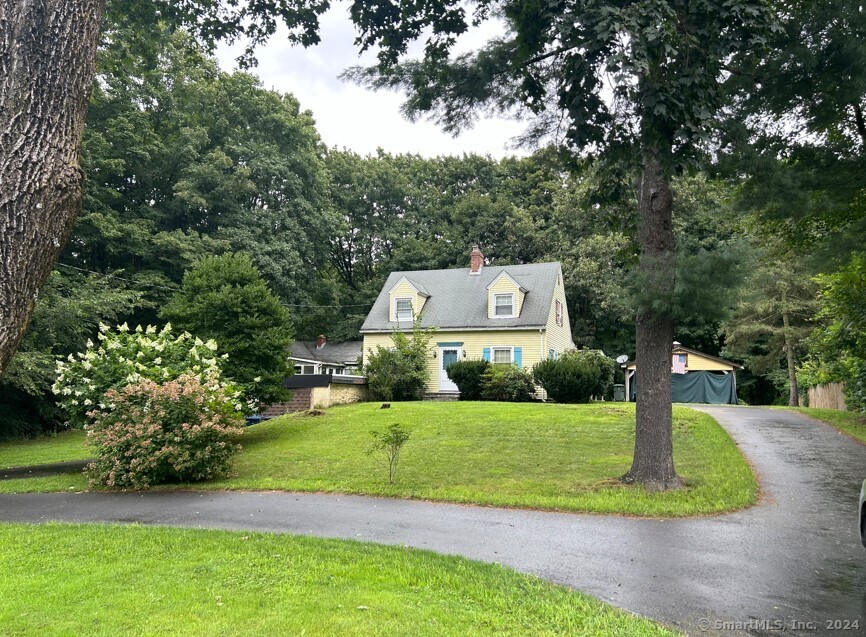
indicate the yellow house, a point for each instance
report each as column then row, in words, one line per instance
column 504, row 314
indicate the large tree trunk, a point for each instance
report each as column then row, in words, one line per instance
column 794, row 395
column 653, row 463
column 47, row 55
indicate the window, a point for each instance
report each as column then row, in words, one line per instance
column 503, row 305
column 552, row 355
column 559, row 313
column 502, row 356
column 403, row 309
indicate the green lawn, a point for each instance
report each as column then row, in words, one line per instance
column 129, row 580
column 852, row 423
column 565, row 457
column 68, row 445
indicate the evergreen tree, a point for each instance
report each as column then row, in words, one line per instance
column 772, row 320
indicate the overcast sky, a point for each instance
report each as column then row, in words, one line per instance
column 357, row 118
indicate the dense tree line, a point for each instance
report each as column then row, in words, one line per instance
column 184, row 161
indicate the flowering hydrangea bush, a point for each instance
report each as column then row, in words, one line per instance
column 181, row 430
column 127, row 356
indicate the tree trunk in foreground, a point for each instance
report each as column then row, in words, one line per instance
column 47, row 55
column 653, row 464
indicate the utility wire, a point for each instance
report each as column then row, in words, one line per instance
column 175, row 289
column 120, row 278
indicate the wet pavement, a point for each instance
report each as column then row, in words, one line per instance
column 793, row 564
column 43, row 470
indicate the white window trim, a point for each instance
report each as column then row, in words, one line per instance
column 493, row 349
column 411, row 309
column 513, row 303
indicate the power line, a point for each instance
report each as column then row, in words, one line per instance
column 120, row 278
column 338, row 306
column 175, row 289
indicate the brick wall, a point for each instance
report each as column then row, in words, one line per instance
column 340, row 392
column 302, row 400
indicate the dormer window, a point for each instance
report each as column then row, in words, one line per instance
column 403, row 309
column 503, row 305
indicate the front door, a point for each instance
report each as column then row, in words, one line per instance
column 447, row 355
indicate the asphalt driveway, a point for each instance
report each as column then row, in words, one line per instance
column 793, row 564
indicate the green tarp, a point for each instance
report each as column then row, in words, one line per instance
column 701, row 387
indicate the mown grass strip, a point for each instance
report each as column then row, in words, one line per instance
column 127, row 580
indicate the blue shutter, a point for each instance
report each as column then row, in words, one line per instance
column 518, row 356
column 485, row 353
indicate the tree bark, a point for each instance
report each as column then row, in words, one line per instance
column 794, row 395
column 653, row 463
column 47, row 59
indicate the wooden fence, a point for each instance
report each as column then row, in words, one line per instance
column 829, row 396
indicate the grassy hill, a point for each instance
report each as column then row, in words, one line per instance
column 565, row 457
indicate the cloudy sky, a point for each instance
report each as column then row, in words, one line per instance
column 348, row 116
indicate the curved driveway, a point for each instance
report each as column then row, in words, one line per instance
column 789, row 565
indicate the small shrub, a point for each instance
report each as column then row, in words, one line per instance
column 468, row 375
column 576, row 376
column 179, row 431
column 389, row 443
column 399, row 373
column 507, row 383
column 125, row 357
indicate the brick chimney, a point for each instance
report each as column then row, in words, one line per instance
column 320, row 341
column 476, row 260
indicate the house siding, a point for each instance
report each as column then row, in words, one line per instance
column 404, row 290
column 503, row 285
column 699, row 363
column 474, row 342
column 557, row 337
